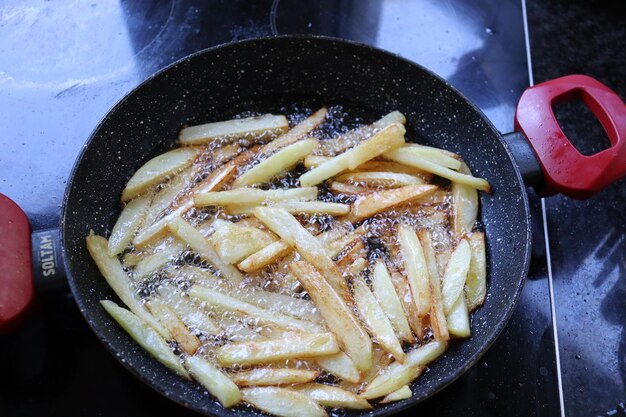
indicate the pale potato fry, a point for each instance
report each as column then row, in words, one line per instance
column 337, row 187
column 234, row 242
column 144, row 334
column 476, row 283
column 289, row 229
column 194, row 316
column 410, row 311
column 127, row 224
column 297, row 132
column 167, row 195
column 256, row 128
column 435, row 155
column 418, row 357
column 312, row 161
column 282, row 402
column 401, row 377
column 253, row 196
column 458, row 319
column 222, row 154
column 329, row 396
column 389, row 301
column 372, row 204
column 119, row 281
column 411, row 160
column 456, row 275
column 211, row 378
column 398, row 395
column 377, row 165
column 228, row 303
column 157, row 169
column 339, row 318
column 438, row 321
column 337, row 245
column 464, row 206
column 168, row 318
column 192, row 236
column 294, row 347
column 386, row 139
column 313, row 207
column 160, row 257
column 281, row 161
column 341, row 366
column 359, row 265
column 273, row 376
column 379, row 179
column 415, row 268
column 265, row 256
column 376, row 322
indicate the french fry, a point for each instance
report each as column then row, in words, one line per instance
column 282, row 402
column 389, row 301
column 398, row 395
column 379, row 179
column 228, row 303
column 252, row 128
column 223, row 154
column 456, row 275
column 358, row 266
column 395, row 372
column 464, row 206
column 281, row 161
column 376, row 322
column 187, row 341
column 190, row 235
column 119, row 281
column 194, row 316
column 145, row 336
column 337, row 187
column 294, row 347
column 265, row 256
column 438, row 322
column 376, row 165
column 356, row 251
column 273, row 376
column 339, row 318
column 313, row 207
column 447, row 173
column 127, row 224
column 435, row 155
column 416, row 269
column 386, row 139
column 253, row 196
column 329, row 396
column 167, row 195
column 233, row 242
column 157, row 169
column 476, row 283
column 406, row 298
column 458, row 318
column 341, row 366
column 158, row 259
column 211, row 378
column 287, row 227
column 297, row 132
column 372, row 204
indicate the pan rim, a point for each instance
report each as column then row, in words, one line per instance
column 388, row 409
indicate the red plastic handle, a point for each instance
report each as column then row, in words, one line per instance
column 16, row 273
column 565, row 169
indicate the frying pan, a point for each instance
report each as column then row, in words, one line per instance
column 267, row 74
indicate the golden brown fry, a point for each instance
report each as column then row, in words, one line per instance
column 372, row 204
column 379, row 179
column 265, row 256
column 273, row 376
column 187, row 341
column 339, row 318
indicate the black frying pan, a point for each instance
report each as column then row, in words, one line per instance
column 266, row 74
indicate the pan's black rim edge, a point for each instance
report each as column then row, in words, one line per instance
column 392, row 408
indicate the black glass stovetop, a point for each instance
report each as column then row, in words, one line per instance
column 64, row 64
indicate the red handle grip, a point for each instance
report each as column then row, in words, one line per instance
column 16, row 273
column 565, row 169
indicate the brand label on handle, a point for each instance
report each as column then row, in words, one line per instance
column 49, row 272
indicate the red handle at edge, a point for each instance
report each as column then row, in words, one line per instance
column 565, row 169
column 16, row 273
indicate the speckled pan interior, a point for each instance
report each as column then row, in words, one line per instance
column 265, row 74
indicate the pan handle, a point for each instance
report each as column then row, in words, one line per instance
column 27, row 263
column 566, row 170
column 17, row 291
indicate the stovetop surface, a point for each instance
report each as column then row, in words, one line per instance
column 64, row 65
